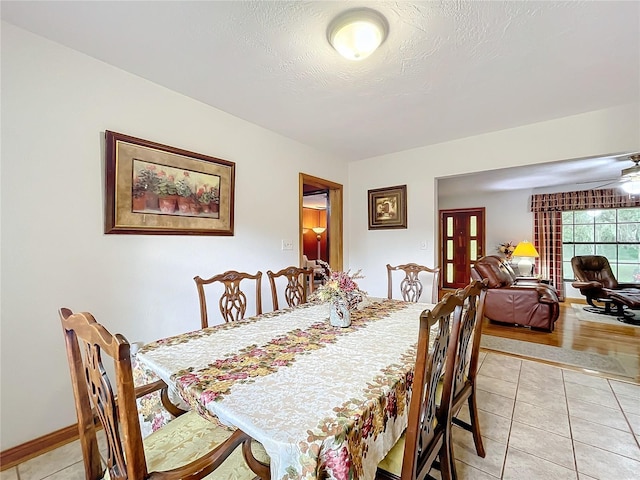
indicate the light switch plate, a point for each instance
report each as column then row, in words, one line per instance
column 287, row 244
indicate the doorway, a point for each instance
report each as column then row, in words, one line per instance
column 461, row 244
column 333, row 233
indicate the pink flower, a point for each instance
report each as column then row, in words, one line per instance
column 339, row 463
column 209, row 396
column 188, row 379
column 233, row 376
column 157, row 422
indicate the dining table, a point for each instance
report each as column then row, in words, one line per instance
column 324, row 401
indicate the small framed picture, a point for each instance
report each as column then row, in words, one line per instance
column 388, row 207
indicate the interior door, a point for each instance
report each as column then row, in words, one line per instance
column 334, row 225
column 461, row 244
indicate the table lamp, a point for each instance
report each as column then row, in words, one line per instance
column 526, row 251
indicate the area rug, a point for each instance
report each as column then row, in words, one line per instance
column 591, row 361
column 584, row 315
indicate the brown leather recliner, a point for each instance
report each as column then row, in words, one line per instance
column 513, row 300
column 593, row 276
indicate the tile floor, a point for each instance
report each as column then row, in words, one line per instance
column 538, row 422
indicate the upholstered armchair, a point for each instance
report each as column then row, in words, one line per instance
column 593, row 278
column 320, row 269
column 514, row 300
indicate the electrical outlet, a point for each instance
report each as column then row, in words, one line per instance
column 423, row 245
column 287, row 244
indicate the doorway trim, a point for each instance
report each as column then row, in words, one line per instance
column 335, row 226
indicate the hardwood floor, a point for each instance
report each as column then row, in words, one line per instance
column 620, row 341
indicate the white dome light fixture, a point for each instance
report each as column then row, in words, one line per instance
column 631, row 176
column 357, row 33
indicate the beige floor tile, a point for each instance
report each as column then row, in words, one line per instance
column 465, row 451
column 604, row 465
column 540, row 443
column 634, row 421
column 541, row 370
column 467, row 472
column 497, row 386
column 582, row 476
column 588, row 380
column 606, row 438
column 625, row 388
column 541, row 398
column 494, row 403
column 73, row 472
column 504, row 361
column 539, row 417
column 50, row 462
column 435, row 474
column 552, row 386
column 629, row 404
column 492, row 426
column 502, row 372
column 11, row 474
column 611, row 417
column 521, row 465
column 590, row 394
column 481, row 356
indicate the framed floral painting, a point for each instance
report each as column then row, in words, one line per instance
column 388, row 207
column 161, row 190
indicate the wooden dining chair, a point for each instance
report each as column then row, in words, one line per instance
column 464, row 388
column 189, row 446
column 233, row 302
column 299, row 285
column 411, row 286
column 427, row 439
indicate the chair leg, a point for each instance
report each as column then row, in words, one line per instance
column 475, row 425
column 452, row 457
column 447, row 468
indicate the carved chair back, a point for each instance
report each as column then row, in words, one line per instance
column 94, row 393
column 411, row 286
column 233, row 302
column 116, row 409
column 468, row 348
column 299, row 285
column 428, row 429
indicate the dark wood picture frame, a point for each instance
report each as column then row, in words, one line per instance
column 388, row 207
column 155, row 189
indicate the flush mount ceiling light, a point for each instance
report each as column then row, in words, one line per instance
column 631, row 176
column 357, row 33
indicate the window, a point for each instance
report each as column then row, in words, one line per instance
column 613, row 233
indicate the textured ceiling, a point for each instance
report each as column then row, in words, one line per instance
column 448, row 69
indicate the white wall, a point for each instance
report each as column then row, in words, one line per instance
column 508, row 217
column 56, row 105
column 594, row 133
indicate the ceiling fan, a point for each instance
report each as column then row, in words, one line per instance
column 629, row 179
column 631, row 176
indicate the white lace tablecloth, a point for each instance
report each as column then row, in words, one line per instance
column 323, row 400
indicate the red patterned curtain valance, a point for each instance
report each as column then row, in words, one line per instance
column 583, row 200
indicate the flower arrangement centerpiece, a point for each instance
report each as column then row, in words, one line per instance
column 506, row 249
column 343, row 294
